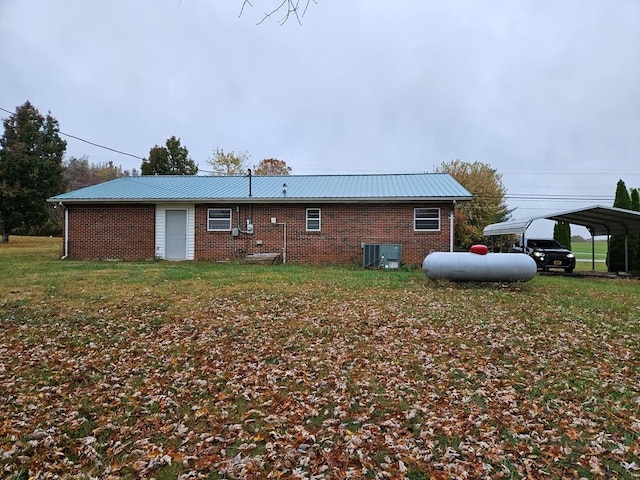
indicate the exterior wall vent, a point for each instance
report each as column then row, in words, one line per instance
column 376, row 255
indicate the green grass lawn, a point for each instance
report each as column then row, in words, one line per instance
column 203, row 370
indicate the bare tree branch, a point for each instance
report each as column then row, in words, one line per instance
column 244, row 3
column 290, row 7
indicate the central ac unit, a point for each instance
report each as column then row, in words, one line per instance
column 376, row 255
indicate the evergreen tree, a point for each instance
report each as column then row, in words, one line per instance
column 634, row 239
column 562, row 234
column 172, row 159
column 31, row 169
column 616, row 252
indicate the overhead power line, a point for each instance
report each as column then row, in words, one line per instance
column 581, row 171
column 561, row 200
column 530, row 196
column 102, row 146
column 89, row 142
column 550, row 196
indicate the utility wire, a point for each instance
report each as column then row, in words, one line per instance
column 102, row 146
column 87, row 141
column 533, row 196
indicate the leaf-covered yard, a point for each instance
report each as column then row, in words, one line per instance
column 140, row 370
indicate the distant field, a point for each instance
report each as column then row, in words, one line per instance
column 198, row 370
column 582, row 250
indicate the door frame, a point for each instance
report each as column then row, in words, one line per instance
column 161, row 229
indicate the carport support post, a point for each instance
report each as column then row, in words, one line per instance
column 593, row 251
column 626, row 253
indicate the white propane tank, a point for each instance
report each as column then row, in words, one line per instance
column 474, row 267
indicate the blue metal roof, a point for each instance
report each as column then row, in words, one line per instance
column 178, row 188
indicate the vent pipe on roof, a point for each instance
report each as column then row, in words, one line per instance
column 249, row 175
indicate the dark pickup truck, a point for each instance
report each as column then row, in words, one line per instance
column 548, row 254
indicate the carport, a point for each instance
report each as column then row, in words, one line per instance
column 598, row 220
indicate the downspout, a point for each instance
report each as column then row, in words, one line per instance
column 284, row 243
column 451, row 227
column 66, row 233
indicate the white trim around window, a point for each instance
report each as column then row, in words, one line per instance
column 426, row 219
column 219, row 219
column 314, row 221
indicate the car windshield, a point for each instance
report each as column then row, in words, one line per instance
column 545, row 244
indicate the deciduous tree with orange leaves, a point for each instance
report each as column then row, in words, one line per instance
column 272, row 166
column 487, row 206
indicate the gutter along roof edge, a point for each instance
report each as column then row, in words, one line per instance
column 260, row 200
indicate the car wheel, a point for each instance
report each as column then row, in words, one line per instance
column 568, row 270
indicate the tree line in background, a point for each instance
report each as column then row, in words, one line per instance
column 173, row 159
column 79, row 173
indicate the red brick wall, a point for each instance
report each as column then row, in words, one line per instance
column 106, row 232
column 127, row 232
column 344, row 228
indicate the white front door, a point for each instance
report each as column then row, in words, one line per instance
column 176, row 234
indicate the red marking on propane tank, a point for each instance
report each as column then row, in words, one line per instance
column 479, row 249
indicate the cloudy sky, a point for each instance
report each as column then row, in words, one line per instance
column 547, row 92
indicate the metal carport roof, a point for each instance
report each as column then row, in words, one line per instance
column 599, row 220
column 512, row 227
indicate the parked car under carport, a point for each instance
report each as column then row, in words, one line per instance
column 548, row 254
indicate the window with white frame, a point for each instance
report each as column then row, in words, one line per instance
column 426, row 219
column 313, row 219
column 219, row 219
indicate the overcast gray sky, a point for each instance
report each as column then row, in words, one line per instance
column 547, row 92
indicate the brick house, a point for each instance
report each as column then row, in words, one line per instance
column 311, row 219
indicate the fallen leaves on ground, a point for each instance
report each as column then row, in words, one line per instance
column 312, row 381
